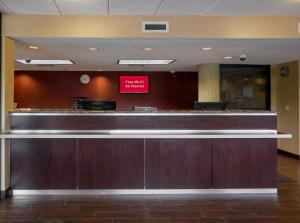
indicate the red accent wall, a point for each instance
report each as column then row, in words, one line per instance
column 55, row 89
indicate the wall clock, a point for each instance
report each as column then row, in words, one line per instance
column 85, row 79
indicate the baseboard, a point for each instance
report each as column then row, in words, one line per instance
column 147, row 191
column 5, row 194
column 288, row 154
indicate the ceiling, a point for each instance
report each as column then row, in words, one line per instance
column 186, row 52
column 152, row 7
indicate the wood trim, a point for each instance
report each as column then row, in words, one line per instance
column 288, row 154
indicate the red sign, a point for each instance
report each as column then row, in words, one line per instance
column 134, row 84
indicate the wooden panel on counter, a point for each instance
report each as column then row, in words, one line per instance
column 43, row 164
column 178, row 163
column 244, row 163
column 111, row 164
column 94, row 122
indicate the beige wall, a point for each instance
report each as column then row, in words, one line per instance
column 285, row 100
column 209, row 83
column 131, row 26
column 7, row 79
column 7, row 103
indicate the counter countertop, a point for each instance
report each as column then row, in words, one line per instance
column 160, row 111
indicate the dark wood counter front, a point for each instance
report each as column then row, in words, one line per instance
column 178, row 164
column 111, row 164
column 104, row 121
column 44, row 164
column 143, row 163
column 244, row 163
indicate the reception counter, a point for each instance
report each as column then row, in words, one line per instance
column 70, row 151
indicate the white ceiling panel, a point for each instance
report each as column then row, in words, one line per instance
column 152, row 7
column 279, row 7
column 133, row 7
column 234, row 7
column 80, row 7
column 186, row 7
column 32, row 6
column 4, row 8
column 255, row 7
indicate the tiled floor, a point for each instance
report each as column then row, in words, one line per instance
column 284, row 207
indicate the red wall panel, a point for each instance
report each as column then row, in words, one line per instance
column 55, row 89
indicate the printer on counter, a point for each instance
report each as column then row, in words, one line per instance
column 210, row 105
column 84, row 103
column 144, row 109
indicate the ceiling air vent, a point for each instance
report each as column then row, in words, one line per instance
column 156, row 27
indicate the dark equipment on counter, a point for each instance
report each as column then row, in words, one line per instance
column 210, row 105
column 95, row 104
column 77, row 102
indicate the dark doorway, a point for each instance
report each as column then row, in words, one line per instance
column 245, row 86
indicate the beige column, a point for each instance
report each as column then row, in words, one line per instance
column 286, row 101
column 7, row 104
column 209, row 83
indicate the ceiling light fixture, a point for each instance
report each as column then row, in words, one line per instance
column 148, row 48
column 34, row 47
column 93, row 48
column 45, row 62
column 207, row 48
column 145, row 62
column 228, row 57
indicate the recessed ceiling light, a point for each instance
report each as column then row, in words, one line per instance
column 45, row 62
column 99, row 70
column 34, row 47
column 228, row 57
column 207, row 48
column 148, row 48
column 93, row 48
column 144, row 62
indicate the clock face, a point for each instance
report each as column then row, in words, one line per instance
column 84, row 79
